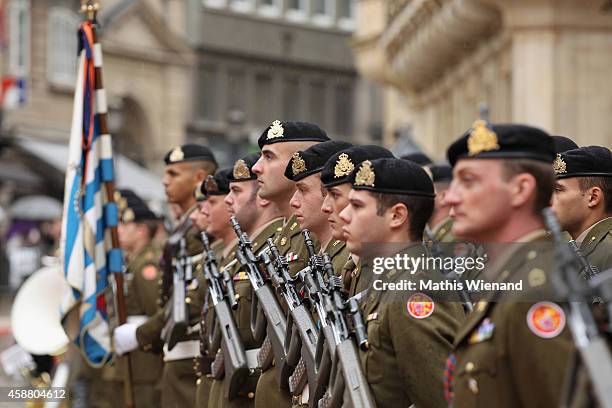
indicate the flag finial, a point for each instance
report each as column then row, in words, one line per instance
column 90, row 7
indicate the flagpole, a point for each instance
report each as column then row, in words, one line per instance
column 91, row 9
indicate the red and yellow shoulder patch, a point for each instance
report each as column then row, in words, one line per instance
column 420, row 306
column 546, row 319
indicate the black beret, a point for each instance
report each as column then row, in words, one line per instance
column 310, row 161
column 590, row 161
column 242, row 170
column 489, row 141
column 217, row 184
column 189, row 152
column 339, row 167
column 563, row 144
column 292, row 132
column 417, row 157
column 133, row 208
column 440, row 173
column 393, row 176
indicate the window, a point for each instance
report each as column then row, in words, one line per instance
column 19, row 32
column 236, row 91
column 296, row 10
column 322, row 12
column 317, row 103
column 263, row 92
column 62, row 46
column 270, row 8
column 344, row 110
column 207, row 105
column 291, row 99
column 244, row 6
column 346, row 14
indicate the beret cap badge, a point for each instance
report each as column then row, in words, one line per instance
column 559, row 165
column 276, row 130
column 177, row 154
column 241, row 170
column 298, row 165
column 365, row 175
column 128, row 215
column 344, row 166
column 482, row 139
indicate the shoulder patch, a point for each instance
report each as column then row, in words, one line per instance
column 420, row 306
column 290, row 256
column 240, row 276
column 546, row 320
column 149, row 272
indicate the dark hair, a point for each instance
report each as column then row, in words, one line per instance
column 151, row 225
column 208, row 166
column 419, row 210
column 541, row 172
column 603, row 183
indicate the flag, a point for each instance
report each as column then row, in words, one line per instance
column 88, row 254
column 13, row 93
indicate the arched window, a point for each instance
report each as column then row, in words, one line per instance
column 62, row 46
column 19, row 32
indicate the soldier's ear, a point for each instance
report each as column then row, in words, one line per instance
column 522, row 189
column 200, row 175
column 595, row 196
column 398, row 215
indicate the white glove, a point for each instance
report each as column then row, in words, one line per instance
column 125, row 338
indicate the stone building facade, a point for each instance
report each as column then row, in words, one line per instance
column 446, row 62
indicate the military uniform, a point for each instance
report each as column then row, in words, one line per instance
column 592, row 161
column 507, row 343
column 205, row 381
column 291, row 245
column 242, row 318
column 515, row 348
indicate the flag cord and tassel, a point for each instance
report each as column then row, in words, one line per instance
column 115, row 261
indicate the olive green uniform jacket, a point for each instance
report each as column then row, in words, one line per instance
column 513, row 352
column 407, row 353
column 242, row 316
column 291, row 244
column 597, row 245
column 178, row 381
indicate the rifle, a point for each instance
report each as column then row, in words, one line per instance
column 177, row 315
column 221, row 292
column 589, row 270
column 590, row 342
column 301, row 334
column 436, row 251
column 275, row 322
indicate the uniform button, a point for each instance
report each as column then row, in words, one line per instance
column 188, row 300
column 199, row 381
column 473, row 385
column 469, row 367
column 251, row 395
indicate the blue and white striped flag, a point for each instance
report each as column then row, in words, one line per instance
column 88, row 254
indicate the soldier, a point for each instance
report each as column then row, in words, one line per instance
column 136, row 229
column 409, row 339
column 440, row 224
column 304, row 170
column 214, row 189
column 278, row 143
column 260, row 219
column 186, row 168
column 502, row 180
column 583, row 201
column 563, row 144
column 336, row 178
